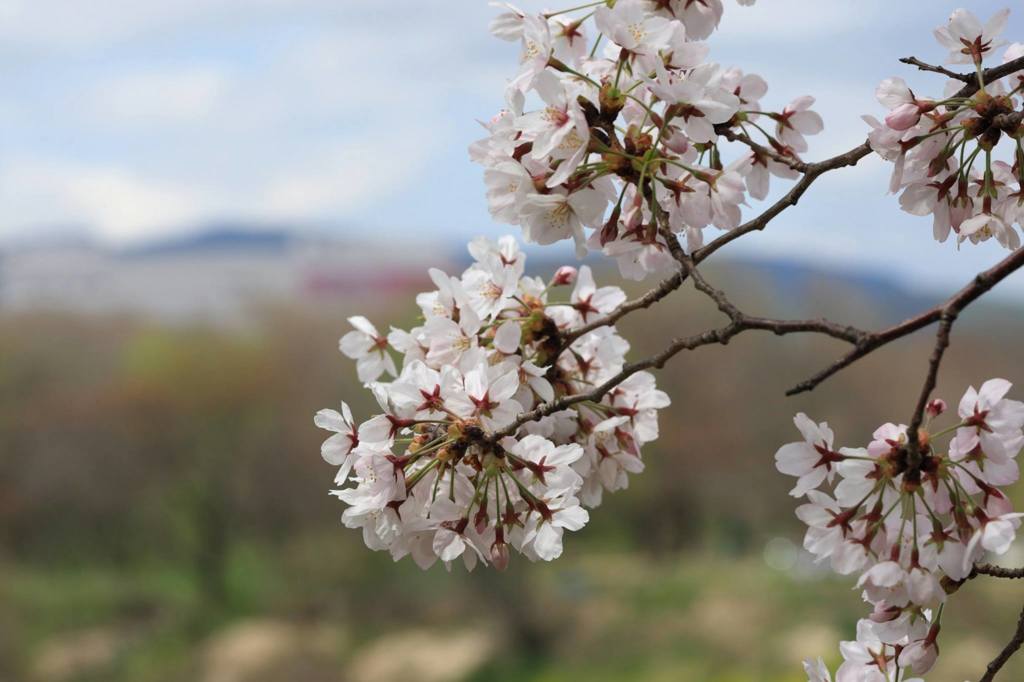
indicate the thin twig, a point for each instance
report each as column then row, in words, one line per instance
column 713, row 336
column 981, row 283
column 946, row 320
column 813, row 172
column 1009, row 650
column 732, row 135
column 923, row 66
column 749, row 322
column 739, row 322
column 659, row 292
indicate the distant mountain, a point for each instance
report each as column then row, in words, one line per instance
column 793, row 280
column 219, row 275
column 216, row 271
column 226, row 237
column 799, row 279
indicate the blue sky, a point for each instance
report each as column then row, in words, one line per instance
column 133, row 119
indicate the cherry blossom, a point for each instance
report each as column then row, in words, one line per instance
column 630, row 26
column 424, row 478
column 811, row 461
column 967, row 40
column 908, row 522
column 368, row 348
column 817, row 671
column 335, row 450
column 797, row 120
column 646, row 112
column 945, row 149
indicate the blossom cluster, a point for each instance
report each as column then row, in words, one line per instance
column 911, row 520
column 959, row 158
column 448, row 469
column 614, row 131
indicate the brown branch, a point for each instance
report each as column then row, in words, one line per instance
column 739, row 322
column 1008, row 651
column 813, row 172
column 999, row 572
column 750, row 322
column 981, row 283
column 991, row 75
column 659, row 292
column 658, row 361
column 963, row 77
column 722, row 335
column 793, row 162
column 946, row 319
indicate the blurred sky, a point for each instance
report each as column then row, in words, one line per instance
column 133, row 119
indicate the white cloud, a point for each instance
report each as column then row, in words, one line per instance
column 118, row 203
column 352, row 175
column 41, row 25
column 159, row 96
column 779, row 21
column 121, row 204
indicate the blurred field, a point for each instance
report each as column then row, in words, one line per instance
column 164, row 511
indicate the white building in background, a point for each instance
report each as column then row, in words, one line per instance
column 214, row 276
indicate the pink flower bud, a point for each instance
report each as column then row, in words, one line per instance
column 903, row 117
column 565, row 275
column 936, row 407
column 499, row 555
column 480, row 520
column 678, row 142
column 920, row 656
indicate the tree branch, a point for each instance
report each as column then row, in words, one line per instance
column 812, row 173
column 713, row 336
column 946, row 319
column 779, row 327
column 1008, row 651
column 993, row 74
column 963, row 77
column 666, row 287
column 793, row 162
column 864, row 342
column 982, row 283
column 739, row 322
column 999, row 572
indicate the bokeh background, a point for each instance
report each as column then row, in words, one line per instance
column 193, row 198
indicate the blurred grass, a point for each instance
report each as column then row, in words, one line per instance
column 612, row 616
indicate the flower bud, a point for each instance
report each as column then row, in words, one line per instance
column 499, row 550
column 480, row 520
column 677, row 141
column 936, row 407
column 919, row 656
column 903, row 117
column 612, row 101
column 565, row 275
